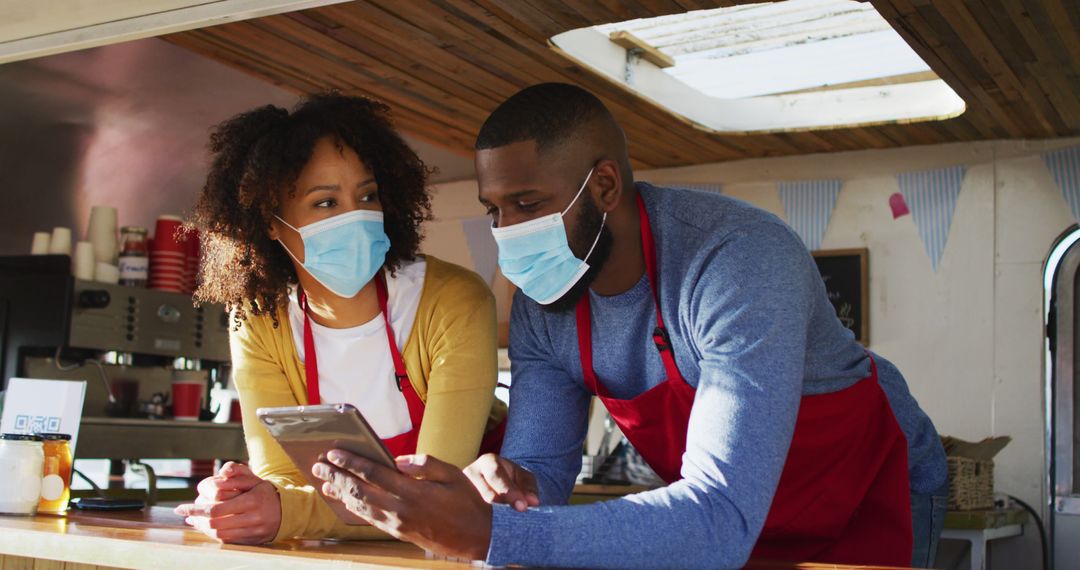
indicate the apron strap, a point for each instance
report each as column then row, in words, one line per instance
column 404, row 384
column 401, row 376
column 660, row 334
column 311, row 365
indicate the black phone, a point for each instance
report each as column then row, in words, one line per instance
column 105, row 504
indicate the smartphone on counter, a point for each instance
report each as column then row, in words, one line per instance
column 308, row 433
column 108, row 504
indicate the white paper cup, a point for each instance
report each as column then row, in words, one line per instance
column 102, row 233
column 60, row 242
column 40, row 246
column 106, row 273
column 83, row 262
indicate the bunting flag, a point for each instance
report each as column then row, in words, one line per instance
column 808, row 205
column 482, row 247
column 931, row 196
column 718, row 188
column 1064, row 165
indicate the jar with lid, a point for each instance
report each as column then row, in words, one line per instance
column 134, row 258
column 22, row 458
column 56, row 476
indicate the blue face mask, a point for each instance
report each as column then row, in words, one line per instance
column 344, row 252
column 536, row 256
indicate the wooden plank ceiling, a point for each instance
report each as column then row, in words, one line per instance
column 443, row 65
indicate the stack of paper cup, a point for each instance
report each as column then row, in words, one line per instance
column 168, row 256
column 83, row 261
column 102, row 233
column 40, row 246
column 60, row 242
column 191, row 266
column 106, row 273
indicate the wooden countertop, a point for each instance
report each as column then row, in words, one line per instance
column 156, row 539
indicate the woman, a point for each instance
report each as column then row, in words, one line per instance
column 312, row 226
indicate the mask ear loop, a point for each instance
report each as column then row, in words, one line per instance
column 597, row 240
column 578, row 195
column 285, row 247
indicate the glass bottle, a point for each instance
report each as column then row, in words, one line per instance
column 134, row 259
column 56, row 477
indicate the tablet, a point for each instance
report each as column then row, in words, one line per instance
column 307, row 433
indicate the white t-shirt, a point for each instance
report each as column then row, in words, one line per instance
column 355, row 366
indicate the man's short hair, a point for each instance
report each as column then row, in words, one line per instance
column 549, row 113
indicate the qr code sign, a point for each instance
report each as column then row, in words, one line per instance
column 37, row 424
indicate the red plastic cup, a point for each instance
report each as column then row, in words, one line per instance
column 187, row 395
column 234, row 411
column 167, row 236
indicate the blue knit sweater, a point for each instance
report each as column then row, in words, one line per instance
column 751, row 329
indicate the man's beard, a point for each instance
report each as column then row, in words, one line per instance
column 590, row 223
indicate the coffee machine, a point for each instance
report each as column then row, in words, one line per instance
column 57, row 327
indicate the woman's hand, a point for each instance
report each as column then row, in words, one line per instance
column 500, row 480
column 235, row 506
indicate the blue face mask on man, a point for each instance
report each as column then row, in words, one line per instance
column 344, row 252
column 536, row 255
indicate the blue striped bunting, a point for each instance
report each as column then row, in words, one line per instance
column 808, row 205
column 931, row 195
column 482, row 246
column 1064, row 165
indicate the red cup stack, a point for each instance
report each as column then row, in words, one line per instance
column 191, row 266
column 168, row 256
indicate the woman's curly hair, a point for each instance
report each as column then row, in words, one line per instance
column 259, row 154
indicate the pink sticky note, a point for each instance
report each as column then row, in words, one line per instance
column 898, row 205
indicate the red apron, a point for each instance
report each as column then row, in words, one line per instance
column 401, row 444
column 843, row 495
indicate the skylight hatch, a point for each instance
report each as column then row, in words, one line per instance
column 777, row 66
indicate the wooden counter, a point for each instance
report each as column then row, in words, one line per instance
column 157, row 539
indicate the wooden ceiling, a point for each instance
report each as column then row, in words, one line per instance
column 443, row 65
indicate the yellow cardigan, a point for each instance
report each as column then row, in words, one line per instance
column 451, row 359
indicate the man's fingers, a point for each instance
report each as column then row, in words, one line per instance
column 481, row 485
column 427, row 467
column 368, row 471
column 364, row 499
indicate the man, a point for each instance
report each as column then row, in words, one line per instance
column 703, row 326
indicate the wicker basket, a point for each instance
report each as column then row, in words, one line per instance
column 971, row 483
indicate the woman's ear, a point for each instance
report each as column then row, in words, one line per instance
column 606, row 186
column 272, row 230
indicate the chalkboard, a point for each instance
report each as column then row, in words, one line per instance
column 845, row 272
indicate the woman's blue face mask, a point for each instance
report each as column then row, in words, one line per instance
column 536, row 255
column 344, row 252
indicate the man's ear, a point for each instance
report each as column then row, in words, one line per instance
column 606, row 185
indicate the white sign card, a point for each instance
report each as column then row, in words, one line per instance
column 43, row 406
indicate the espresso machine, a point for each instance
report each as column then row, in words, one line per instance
column 128, row 344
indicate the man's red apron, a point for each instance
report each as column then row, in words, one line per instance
column 843, row 495
column 405, row 443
